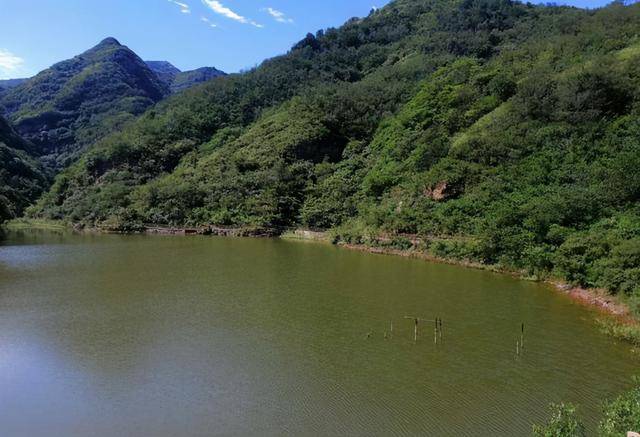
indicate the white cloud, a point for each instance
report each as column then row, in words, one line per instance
column 279, row 16
column 220, row 9
column 184, row 8
column 206, row 20
column 9, row 63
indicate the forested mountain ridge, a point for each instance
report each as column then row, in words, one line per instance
column 188, row 79
column 6, row 84
column 496, row 131
column 75, row 102
column 178, row 80
column 69, row 106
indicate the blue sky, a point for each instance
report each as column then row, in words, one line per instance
column 227, row 34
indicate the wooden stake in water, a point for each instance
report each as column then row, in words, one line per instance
column 416, row 320
column 522, row 337
column 440, row 328
column 517, row 348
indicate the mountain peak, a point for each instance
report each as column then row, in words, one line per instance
column 107, row 77
column 110, row 41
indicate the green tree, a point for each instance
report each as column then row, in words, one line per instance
column 622, row 414
column 563, row 422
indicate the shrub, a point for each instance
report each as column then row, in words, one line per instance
column 622, row 414
column 564, row 422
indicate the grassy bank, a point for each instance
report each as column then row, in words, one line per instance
column 24, row 223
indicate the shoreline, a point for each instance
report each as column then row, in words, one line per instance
column 618, row 322
column 617, row 319
column 598, row 299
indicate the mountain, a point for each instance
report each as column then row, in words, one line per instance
column 166, row 71
column 486, row 130
column 178, row 80
column 67, row 107
column 7, row 84
column 22, row 178
column 188, row 79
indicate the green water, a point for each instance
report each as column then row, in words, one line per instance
column 175, row 336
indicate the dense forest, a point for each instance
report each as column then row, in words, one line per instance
column 69, row 106
column 22, row 178
column 485, row 130
column 64, row 109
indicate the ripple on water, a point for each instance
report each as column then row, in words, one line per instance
column 188, row 336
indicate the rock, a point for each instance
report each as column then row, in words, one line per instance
column 442, row 191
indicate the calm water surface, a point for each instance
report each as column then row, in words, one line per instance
column 172, row 336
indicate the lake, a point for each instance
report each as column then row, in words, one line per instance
column 109, row 335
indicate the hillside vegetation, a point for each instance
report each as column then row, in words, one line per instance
column 22, row 178
column 74, row 103
column 177, row 80
column 6, row 84
column 489, row 130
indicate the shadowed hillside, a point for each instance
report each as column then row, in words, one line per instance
column 22, row 179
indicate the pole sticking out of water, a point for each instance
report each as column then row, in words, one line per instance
column 392, row 328
column 435, row 332
column 416, row 320
column 441, row 331
column 522, row 336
